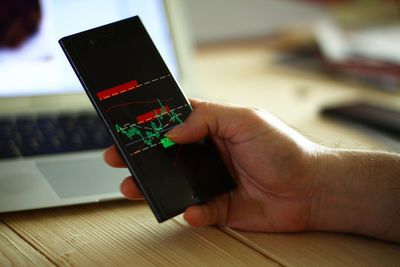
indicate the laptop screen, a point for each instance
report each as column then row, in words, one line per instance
column 34, row 64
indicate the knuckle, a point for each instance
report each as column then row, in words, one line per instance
column 202, row 107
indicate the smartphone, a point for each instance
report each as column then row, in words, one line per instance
column 139, row 100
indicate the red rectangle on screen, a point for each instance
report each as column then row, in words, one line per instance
column 119, row 89
column 151, row 115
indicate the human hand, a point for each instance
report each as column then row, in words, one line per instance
column 286, row 183
column 271, row 163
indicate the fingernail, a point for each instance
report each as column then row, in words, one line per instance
column 175, row 131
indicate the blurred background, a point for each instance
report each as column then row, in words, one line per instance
column 322, row 66
column 356, row 39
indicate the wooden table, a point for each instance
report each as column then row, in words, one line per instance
column 125, row 233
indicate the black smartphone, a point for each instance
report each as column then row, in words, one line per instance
column 139, row 100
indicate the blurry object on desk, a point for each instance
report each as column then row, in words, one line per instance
column 369, row 73
column 378, row 43
column 19, row 19
column 378, row 121
column 361, row 13
column 366, row 13
column 367, row 54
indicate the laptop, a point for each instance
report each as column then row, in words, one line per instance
column 51, row 139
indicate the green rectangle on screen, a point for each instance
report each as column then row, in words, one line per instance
column 166, row 142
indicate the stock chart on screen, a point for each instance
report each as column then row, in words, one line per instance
column 137, row 93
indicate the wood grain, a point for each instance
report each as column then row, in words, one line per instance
column 125, row 233
column 321, row 249
column 14, row 251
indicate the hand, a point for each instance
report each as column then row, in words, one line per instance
column 272, row 165
column 285, row 182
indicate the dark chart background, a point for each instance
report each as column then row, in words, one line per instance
column 138, row 95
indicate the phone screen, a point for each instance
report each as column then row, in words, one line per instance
column 136, row 95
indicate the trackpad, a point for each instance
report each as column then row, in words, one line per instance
column 79, row 178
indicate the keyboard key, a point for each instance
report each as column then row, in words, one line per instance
column 6, row 131
column 23, row 123
column 5, row 122
column 9, row 150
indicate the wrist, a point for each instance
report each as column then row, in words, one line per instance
column 357, row 192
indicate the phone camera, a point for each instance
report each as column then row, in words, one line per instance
column 92, row 42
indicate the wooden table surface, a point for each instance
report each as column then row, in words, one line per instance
column 125, row 233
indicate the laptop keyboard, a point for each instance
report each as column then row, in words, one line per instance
column 47, row 134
